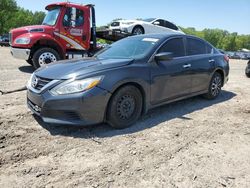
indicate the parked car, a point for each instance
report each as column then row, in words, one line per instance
column 4, row 40
column 126, row 79
column 248, row 69
column 146, row 26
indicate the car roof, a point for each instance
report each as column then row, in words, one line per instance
column 164, row 36
column 159, row 35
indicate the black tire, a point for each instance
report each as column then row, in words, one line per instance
column 247, row 72
column 125, row 107
column 215, row 86
column 45, row 55
column 138, row 30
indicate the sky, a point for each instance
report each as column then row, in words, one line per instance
column 230, row 15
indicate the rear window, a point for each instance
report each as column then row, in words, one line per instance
column 175, row 46
column 170, row 25
column 196, row 47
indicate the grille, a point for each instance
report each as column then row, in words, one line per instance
column 10, row 38
column 114, row 24
column 41, row 82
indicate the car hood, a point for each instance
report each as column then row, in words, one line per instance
column 68, row 69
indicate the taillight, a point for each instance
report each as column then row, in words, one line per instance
column 226, row 58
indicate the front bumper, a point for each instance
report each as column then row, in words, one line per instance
column 86, row 108
column 20, row 53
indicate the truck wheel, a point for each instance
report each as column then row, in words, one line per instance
column 125, row 107
column 138, row 30
column 44, row 56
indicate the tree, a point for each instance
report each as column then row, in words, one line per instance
column 7, row 8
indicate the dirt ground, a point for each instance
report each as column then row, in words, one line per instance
column 191, row 143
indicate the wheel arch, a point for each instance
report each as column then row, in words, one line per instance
column 138, row 25
column 47, row 43
column 131, row 83
column 222, row 73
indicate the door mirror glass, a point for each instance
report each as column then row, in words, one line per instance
column 163, row 56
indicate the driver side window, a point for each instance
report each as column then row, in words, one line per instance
column 73, row 17
column 174, row 46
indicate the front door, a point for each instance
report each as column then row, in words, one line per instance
column 75, row 28
column 171, row 79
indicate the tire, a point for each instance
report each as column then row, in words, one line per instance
column 125, row 107
column 247, row 73
column 138, row 30
column 215, row 86
column 44, row 56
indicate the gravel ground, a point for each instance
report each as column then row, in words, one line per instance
column 191, row 143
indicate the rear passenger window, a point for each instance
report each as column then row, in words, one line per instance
column 170, row 25
column 175, row 46
column 195, row 47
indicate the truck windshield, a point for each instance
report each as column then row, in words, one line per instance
column 51, row 17
column 129, row 48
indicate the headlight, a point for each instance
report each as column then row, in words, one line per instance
column 28, row 85
column 76, row 86
column 22, row 41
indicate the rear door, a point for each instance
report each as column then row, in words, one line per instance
column 75, row 28
column 202, row 64
column 171, row 79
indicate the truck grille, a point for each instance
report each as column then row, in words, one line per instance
column 10, row 38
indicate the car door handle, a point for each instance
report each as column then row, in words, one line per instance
column 186, row 66
column 211, row 61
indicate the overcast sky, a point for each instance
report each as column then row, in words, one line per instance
column 231, row 15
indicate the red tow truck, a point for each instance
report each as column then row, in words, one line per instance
column 67, row 30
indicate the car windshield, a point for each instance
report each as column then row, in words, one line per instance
column 148, row 19
column 129, row 48
column 51, row 17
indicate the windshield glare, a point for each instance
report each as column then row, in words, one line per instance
column 129, row 48
column 51, row 17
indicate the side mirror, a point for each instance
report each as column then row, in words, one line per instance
column 163, row 56
column 156, row 23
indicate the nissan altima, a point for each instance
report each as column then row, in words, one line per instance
column 126, row 79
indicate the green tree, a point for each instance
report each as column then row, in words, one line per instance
column 7, row 8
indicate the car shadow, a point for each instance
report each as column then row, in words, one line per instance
column 26, row 69
column 153, row 118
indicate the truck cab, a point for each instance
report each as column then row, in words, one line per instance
column 67, row 29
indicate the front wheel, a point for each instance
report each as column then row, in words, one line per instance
column 138, row 30
column 44, row 56
column 215, row 86
column 125, row 107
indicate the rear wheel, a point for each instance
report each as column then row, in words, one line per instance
column 247, row 72
column 125, row 107
column 44, row 56
column 138, row 30
column 215, row 86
